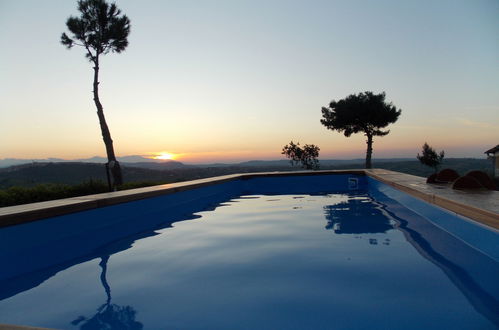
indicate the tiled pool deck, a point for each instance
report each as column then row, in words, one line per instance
column 481, row 206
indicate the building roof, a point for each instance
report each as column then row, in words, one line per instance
column 493, row 150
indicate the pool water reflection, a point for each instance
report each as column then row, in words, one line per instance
column 325, row 261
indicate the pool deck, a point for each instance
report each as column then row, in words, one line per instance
column 480, row 206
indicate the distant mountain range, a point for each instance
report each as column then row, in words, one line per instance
column 143, row 162
column 6, row 162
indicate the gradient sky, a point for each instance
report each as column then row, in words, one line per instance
column 229, row 80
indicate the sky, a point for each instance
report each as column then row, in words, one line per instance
column 235, row 80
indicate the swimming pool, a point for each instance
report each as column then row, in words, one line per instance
column 287, row 252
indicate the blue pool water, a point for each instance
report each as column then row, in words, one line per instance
column 318, row 252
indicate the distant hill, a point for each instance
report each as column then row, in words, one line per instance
column 164, row 165
column 171, row 171
column 27, row 175
column 6, row 162
column 140, row 161
column 414, row 167
column 36, row 173
column 32, row 174
column 323, row 162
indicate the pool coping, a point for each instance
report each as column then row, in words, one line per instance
column 480, row 206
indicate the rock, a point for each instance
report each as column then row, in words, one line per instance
column 446, row 175
column 483, row 178
column 431, row 178
column 467, row 182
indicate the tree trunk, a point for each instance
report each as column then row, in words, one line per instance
column 369, row 150
column 103, row 279
column 114, row 165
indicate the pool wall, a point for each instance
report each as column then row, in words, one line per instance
column 304, row 184
column 473, row 233
column 473, row 270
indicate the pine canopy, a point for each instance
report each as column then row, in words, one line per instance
column 364, row 112
column 100, row 28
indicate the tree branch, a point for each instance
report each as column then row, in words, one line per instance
column 92, row 57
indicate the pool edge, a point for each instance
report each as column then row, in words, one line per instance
column 469, row 204
column 465, row 203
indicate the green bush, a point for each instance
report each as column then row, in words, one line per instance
column 44, row 192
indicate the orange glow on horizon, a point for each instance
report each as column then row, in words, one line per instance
column 163, row 155
column 223, row 156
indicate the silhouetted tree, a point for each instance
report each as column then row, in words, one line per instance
column 364, row 112
column 100, row 29
column 109, row 316
column 429, row 157
column 306, row 156
column 357, row 215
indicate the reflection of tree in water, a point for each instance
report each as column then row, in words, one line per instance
column 358, row 215
column 109, row 316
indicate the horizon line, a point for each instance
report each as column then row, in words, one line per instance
column 152, row 160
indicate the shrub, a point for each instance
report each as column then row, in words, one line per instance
column 44, row 192
column 307, row 155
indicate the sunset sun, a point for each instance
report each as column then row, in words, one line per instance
column 164, row 156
